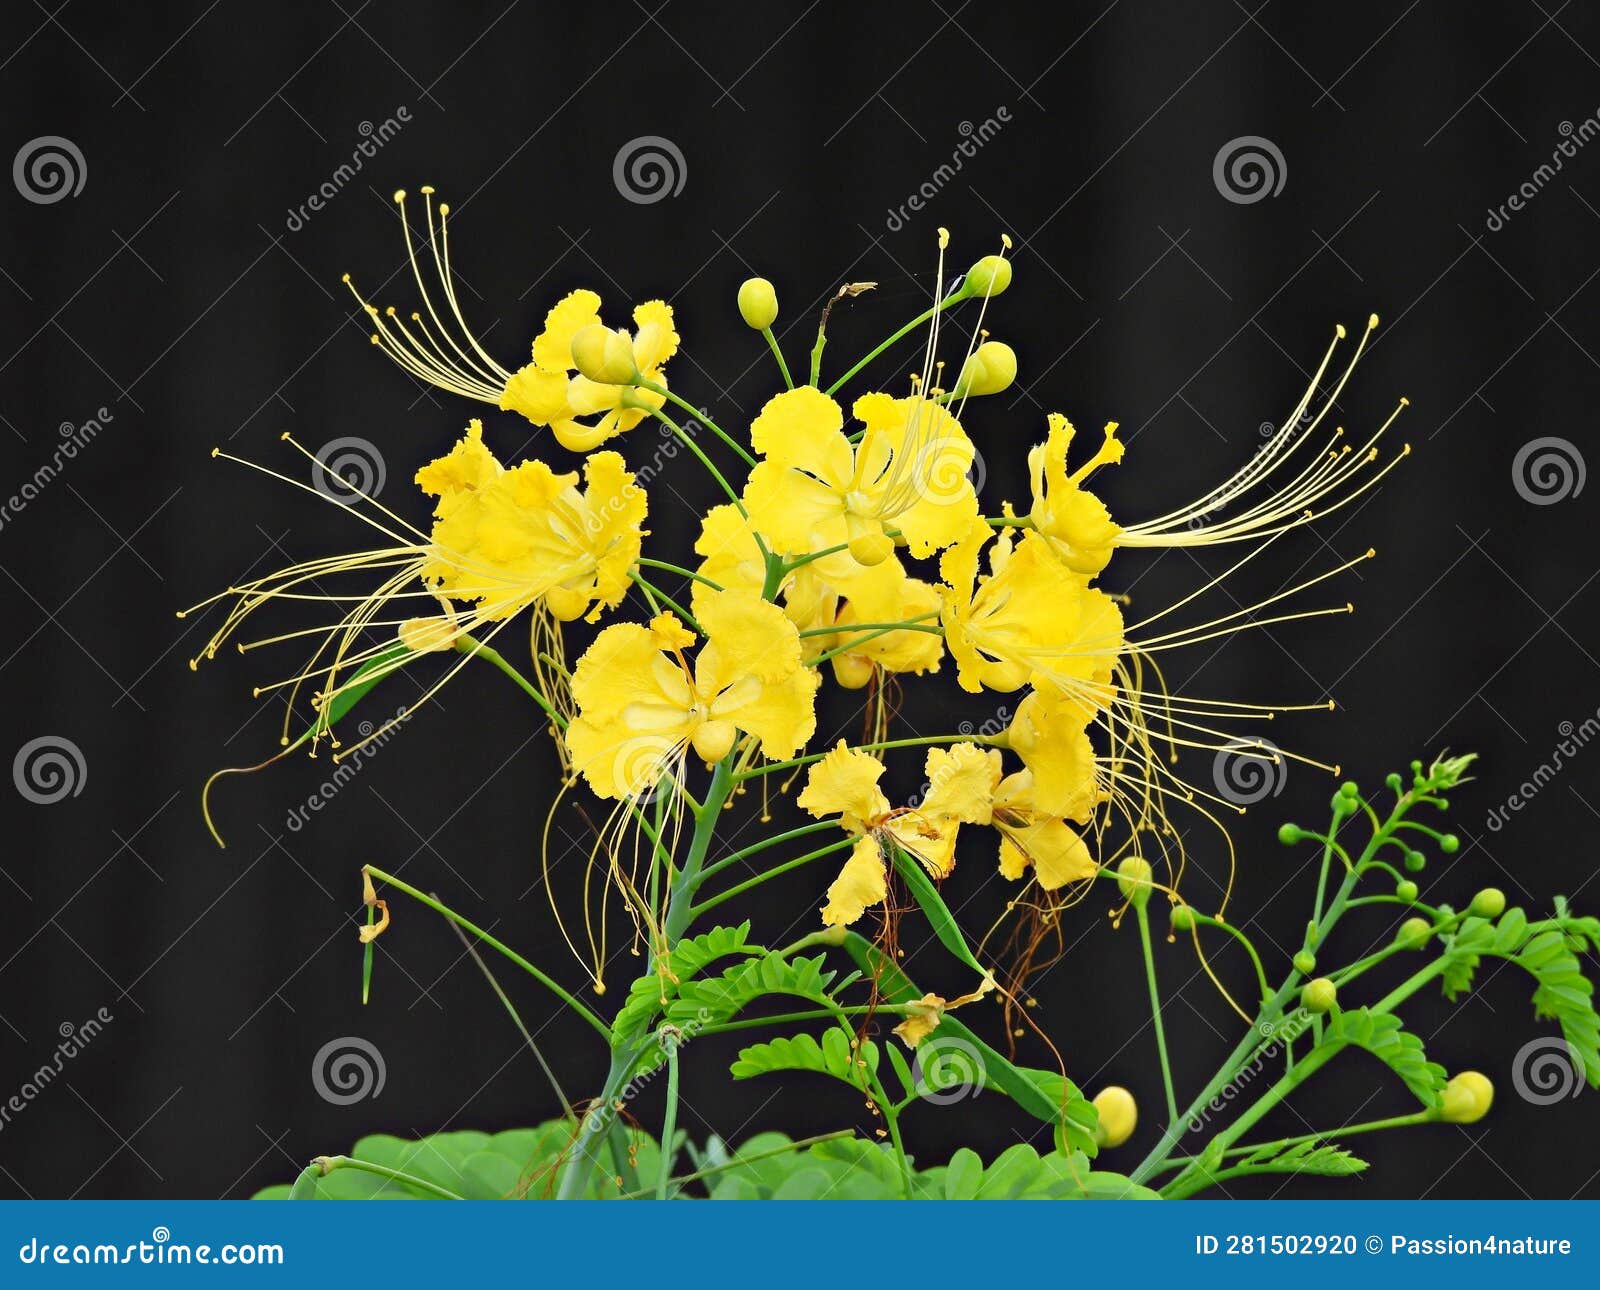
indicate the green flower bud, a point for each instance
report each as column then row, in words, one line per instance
column 603, row 355
column 1416, row 862
column 1290, row 834
column 758, row 303
column 1305, row 962
column 1489, row 903
column 988, row 277
column 1119, row 1114
column 1467, row 1098
column 1406, row 890
column 1414, row 933
column 1350, row 789
column 1134, row 876
column 1182, row 918
column 1449, row 843
column 990, row 368
column 1319, row 995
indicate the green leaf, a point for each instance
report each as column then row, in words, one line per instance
column 938, row 913
column 688, row 957
column 832, row 1055
column 1381, row 1034
column 352, row 691
column 1043, row 1094
column 1473, row 939
column 1563, row 994
column 1324, row 1159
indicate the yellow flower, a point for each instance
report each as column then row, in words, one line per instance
column 504, row 538
column 855, row 605
column 641, row 703
column 1049, row 733
column 1032, row 836
column 814, row 489
column 1028, row 620
column 437, row 346
column 845, row 783
column 1079, row 527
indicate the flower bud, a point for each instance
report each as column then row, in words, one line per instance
column 1414, row 933
column 852, row 671
column 566, row 605
column 1319, row 995
column 1182, row 918
column 871, row 548
column 714, row 740
column 1406, row 890
column 1290, row 834
column 1489, row 903
column 1467, row 1098
column 758, row 303
column 988, row 370
column 1449, row 843
column 1416, row 862
column 603, row 355
column 1134, row 876
column 1305, row 962
column 988, row 277
column 1119, row 1115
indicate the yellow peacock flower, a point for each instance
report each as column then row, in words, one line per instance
column 502, row 540
column 815, row 491
column 844, row 783
column 642, row 704
column 438, row 347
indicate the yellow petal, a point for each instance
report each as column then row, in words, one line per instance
column 961, row 782
column 845, row 783
column 862, row 882
column 618, row 761
column 1054, row 849
column 467, row 466
column 624, row 665
column 804, row 428
column 656, row 339
column 552, row 348
column 1048, row 733
column 796, row 514
column 746, row 636
column 538, row 394
column 924, row 1015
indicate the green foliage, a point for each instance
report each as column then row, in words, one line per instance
column 932, row 903
column 1563, row 994
column 1045, row 1095
column 1324, row 1159
column 834, row 1054
column 645, row 996
column 716, row 999
column 1381, row 1034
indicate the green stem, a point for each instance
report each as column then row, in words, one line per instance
column 777, row 353
column 666, row 566
column 910, row 625
column 858, row 641
column 327, row 1164
column 811, row 1014
column 883, row 745
column 617, row 1140
column 553, row 986
column 669, row 1124
column 474, row 648
column 741, row 888
column 1143, row 916
column 805, row 830
column 654, row 591
column 955, row 297
column 739, row 448
column 1261, row 973
column 688, row 442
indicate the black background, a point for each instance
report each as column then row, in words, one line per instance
column 172, row 293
